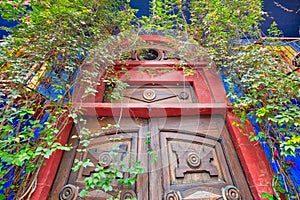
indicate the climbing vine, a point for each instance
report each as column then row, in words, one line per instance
column 39, row 65
column 263, row 87
column 39, row 68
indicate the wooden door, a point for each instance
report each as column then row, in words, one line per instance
column 196, row 160
column 186, row 158
column 111, row 148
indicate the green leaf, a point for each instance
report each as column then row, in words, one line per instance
column 119, row 174
column 266, row 195
column 87, row 163
column 2, row 197
column 83, row 193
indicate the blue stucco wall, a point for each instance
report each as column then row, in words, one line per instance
column 284, row 14
column 5, row 23
column 142, row 6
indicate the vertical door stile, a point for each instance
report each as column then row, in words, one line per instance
column 155, row 173
column 235, row 165
column 165, row 162
column 65, row 168
column 142, row 155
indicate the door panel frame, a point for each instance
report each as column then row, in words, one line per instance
column 156, row 181
column 251, row 155
column 224, row 143
column 62, row 171
column 130, row 131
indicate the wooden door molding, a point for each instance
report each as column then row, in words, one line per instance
column 195, row 158
column 205, row 83
column 127, row 145
column 48, row 171
column 197, row 161
column 211, row 100
column 252, row 158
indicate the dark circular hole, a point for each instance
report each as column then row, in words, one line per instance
column 148, row 54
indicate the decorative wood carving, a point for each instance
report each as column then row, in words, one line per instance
column 173, row 195
column 193, row 160
column 231, row 192
column 183, row 95
column 193, row 163
column 128, row 194
column 160, row 94
column 105, row 158
column 149, row 94
column 204, row 195
column 68, row 192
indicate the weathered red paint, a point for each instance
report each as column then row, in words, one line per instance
column 144, row 110
column 48, row 171
column 252, row 157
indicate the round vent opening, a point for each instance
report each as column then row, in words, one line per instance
column 149, row 54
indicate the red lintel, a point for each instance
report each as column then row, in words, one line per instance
column 144, row 110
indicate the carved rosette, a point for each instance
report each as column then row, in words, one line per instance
column 67, row 192
column 231, row 192
column 193, row 160
column 190, row 161
column 128, row 194
column 173, row 195
column 105, row 159
column 183, row 95
column 149, row 94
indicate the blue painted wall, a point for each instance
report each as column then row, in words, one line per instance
column 142, row 6
column 5, row 24
column 286, row 14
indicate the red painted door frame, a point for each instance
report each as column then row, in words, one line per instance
column 211, row 100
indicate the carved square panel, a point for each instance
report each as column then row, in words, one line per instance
column 190, row 163
column 193, row 160
column 109, row 152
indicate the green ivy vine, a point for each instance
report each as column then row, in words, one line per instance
column 55, row 36
column 52, row 37
column 269, row 91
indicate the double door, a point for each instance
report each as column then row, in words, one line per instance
column 188, row 157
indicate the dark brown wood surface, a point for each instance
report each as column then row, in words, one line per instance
column 195, row 158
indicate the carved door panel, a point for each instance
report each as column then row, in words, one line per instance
column 158, row 94
column 188, row 158
column 110, row 148
column 196, row 160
